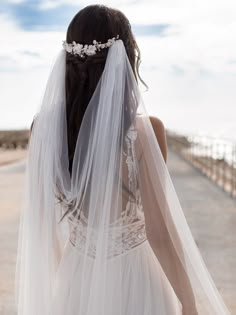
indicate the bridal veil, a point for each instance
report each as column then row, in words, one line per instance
column 96, row 195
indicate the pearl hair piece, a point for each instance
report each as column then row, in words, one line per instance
column 89, row 50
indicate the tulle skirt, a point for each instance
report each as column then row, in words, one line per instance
column 145, row 288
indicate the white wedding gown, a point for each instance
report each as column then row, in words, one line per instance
column 145, row 288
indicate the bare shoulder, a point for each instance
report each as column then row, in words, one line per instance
column 157, row 124
column 159, row 130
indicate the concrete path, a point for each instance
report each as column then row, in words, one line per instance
column 210, row 213
column 11, row 184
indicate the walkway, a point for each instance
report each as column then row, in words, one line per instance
column 210, row 213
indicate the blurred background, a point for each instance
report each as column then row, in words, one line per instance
column 188, row 54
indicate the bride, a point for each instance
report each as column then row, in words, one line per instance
column 102, row 230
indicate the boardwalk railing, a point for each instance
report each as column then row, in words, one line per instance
column 214, row 157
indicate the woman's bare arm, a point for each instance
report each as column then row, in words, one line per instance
column 159, row 130
column 157, row 231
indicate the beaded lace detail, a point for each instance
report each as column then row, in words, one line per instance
column 128, row 231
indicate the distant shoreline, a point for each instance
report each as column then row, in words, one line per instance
column 13, row 139
column 13, row 146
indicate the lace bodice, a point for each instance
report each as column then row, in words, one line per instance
column 130, row 227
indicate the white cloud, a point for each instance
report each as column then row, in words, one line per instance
column 198, row 97
column 51, row 4
column 24, row 66
column 192, row 69
column 205, row 46
column 147, row 4
column 13, row 1
column 27, row 49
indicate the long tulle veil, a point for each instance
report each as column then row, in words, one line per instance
column 95, row 196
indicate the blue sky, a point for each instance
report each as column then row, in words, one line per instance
column 188, row 59
column 30, row 17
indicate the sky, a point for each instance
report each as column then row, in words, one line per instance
column 188, row 59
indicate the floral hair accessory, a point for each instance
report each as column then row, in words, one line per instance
column 89, row 50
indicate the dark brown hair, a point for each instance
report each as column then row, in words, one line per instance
column 82, row 74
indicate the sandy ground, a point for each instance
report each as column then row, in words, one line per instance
column 210, row 213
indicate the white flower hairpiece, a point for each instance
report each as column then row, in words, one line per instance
column 89, row 50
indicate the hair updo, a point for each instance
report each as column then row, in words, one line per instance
column 82, row 74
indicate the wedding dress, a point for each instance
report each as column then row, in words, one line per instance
column 142, row 272
column 123, row 246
